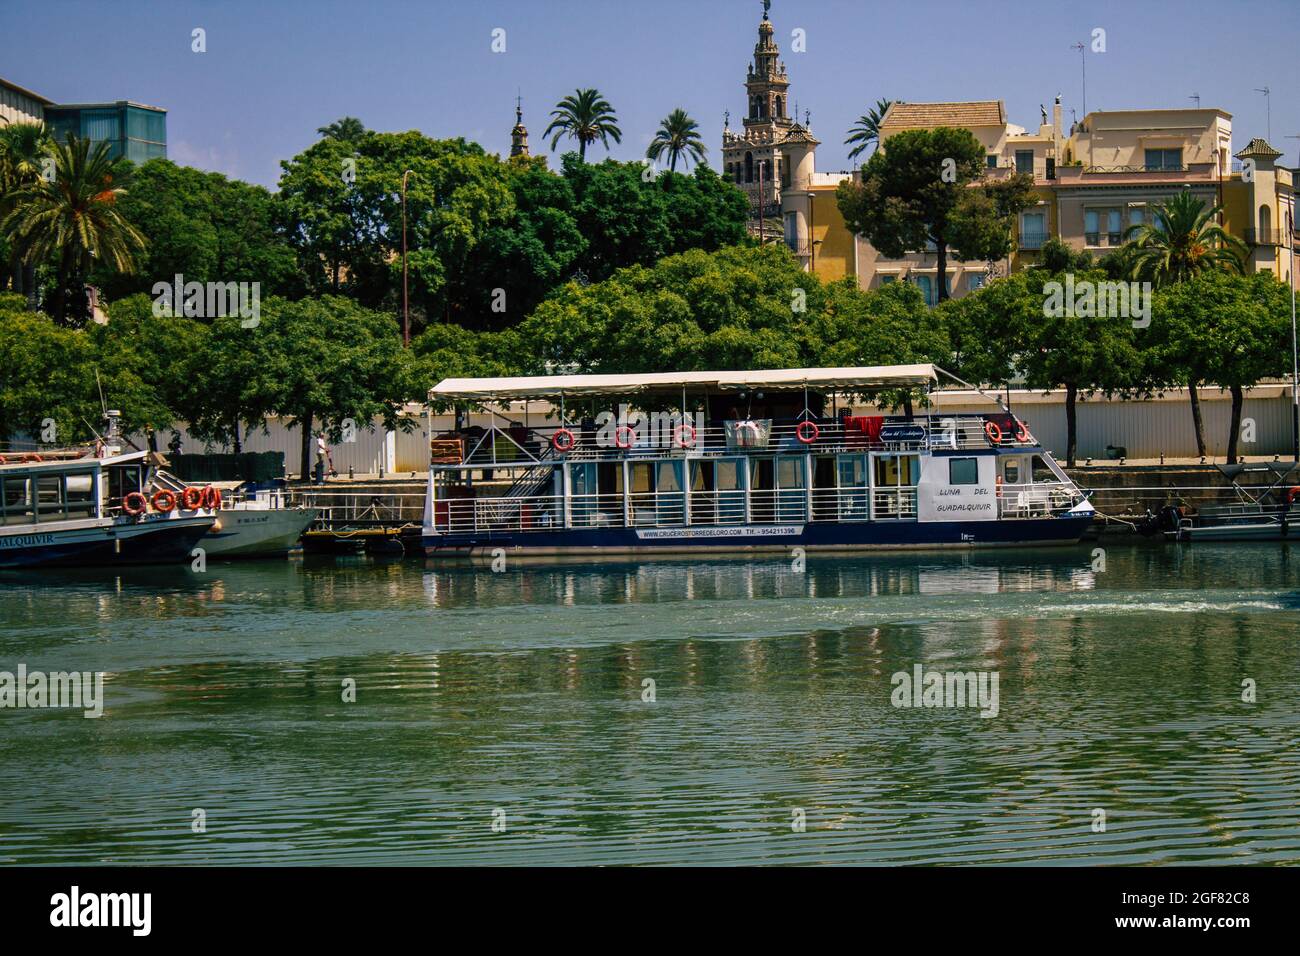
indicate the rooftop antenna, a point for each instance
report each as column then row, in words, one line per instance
column 1083, row 65
column 1268, row 108
column 1197, row 97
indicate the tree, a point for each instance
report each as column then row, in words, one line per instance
column 586, row 116
column 349, row 129
column 926, row 186
column 204, row 227
column 322, row 361
column 73, row 221
column 23, row 146
column 628, row 218
column 1227, row 329
column 1182, row 241
column 866, row 131
column 678, row 136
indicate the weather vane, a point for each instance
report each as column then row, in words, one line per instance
column 767, row 5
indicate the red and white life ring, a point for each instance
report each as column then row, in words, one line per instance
column 192, row 498
column 212, row 498
column 807, row 431
column 134, row 504
column 684, row 435
column 563, row 441
column 619, row 441
column 994, row 432
column 1022, row 433
column 163, row 500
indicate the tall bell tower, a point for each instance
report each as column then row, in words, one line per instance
column 755, row 156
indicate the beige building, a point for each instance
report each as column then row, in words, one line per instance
column 18, row 105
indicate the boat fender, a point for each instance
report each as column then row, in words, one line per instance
column 192, row 498
column 807, row 431
column 994, row 432
column 163, row 500
column 684, row 435
column 563, row 441
column 134, row 504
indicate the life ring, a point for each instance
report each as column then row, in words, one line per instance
column 192, row 498
column 161, row 495
column 212, row 498
column 1022, row 433
column 747, row 434
column 618, row 437
column 134, row 504
column 807, row 431
column 680, row 434
column 994, row 432
column 563, row 441
column 1292, row 493
column 998, row 483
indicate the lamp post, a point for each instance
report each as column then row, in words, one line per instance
column 406, row 308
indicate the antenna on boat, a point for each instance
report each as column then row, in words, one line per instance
column 103, row 405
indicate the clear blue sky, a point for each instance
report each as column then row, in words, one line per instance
column 275, row 70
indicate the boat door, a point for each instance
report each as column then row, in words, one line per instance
column 894, row 480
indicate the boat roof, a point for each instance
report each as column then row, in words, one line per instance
column 53, row 461
column 543, row 386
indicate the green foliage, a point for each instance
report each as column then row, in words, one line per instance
column 678, row 136
column 1181, row 241
column 866, row 131
column 586, row 116
column 73, row 222
column 205, row 227
column 927, row 185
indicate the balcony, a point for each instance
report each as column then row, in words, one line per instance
column 1267, row 237
column 1033, row 240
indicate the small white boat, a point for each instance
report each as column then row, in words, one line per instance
column 256, row 524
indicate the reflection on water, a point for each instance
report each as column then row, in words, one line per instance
column 522, row 692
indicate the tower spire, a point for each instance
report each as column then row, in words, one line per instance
column 519, row 135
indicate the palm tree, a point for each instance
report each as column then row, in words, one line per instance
column 22, row 148
column 349, row 129
column 866, row 131
column 585, row 116
column 678, row 135
column 1183, row 240
column 73, row 220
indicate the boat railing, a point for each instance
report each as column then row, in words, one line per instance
column 1036, row 500
column 715, row 508
column 673, row 437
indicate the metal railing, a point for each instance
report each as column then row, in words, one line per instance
column 1033, row 240
column 497, row 448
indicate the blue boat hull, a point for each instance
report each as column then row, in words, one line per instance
column 815, row 536
column 165, row 542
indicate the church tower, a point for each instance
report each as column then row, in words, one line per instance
column 519, row 135
column 755, row 157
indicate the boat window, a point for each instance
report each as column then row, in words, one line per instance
column 49, row 495
column 853, row 471
column 1011, row 471
column 963, row 471
column 893, row 470
column 79, row 496
column 16, row 500
column 789, row 473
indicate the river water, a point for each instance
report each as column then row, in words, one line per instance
column 704, row 711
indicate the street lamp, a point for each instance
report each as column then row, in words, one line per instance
column 406, row 307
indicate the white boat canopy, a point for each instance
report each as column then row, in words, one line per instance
column 548, row 386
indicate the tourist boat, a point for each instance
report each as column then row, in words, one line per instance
column 94, row 508
column 735, row 461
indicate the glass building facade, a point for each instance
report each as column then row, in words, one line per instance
column 137, row 132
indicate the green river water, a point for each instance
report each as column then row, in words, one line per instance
column 503, row 718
